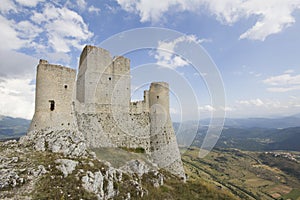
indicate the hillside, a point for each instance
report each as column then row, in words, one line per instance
column 255, row 139
column 12, row 127
column 248, row 175
column 27, row 173
column 269, row 123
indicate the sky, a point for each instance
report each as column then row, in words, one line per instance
column 252, row 46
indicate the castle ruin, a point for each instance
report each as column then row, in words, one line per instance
column 97, row 103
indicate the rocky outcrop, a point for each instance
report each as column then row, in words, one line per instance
column 26, row 173
column 102, row 184
column 66, row 166
column 68, row 142
column 136, row 167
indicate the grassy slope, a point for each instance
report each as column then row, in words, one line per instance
column 53, row 185
column 243, row 173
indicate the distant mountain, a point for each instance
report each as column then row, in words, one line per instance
column 283, row 122
column 253, row 134
column 251, row 139
column 12, row 127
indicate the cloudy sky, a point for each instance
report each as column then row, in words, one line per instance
column 254, row 45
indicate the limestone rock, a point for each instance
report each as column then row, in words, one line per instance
column 68, row 142
column 136, row 167
column 66, row 166
column 39, row 171
column 140, row 168
column 10, row 178
column 94, row 182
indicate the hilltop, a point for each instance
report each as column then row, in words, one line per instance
column 30, row 174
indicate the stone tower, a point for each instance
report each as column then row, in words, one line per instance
column 102, row 80
column 163, row 143
column 53, row 99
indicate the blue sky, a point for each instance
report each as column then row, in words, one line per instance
column 253, row 43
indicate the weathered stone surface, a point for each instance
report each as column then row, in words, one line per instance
column 136, row 167
column 39, row 171
column 66, row 166
column 94, row 182
column 9, row 178
column 68, row 142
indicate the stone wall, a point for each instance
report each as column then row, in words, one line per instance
column 123, row 130
column 54, row 94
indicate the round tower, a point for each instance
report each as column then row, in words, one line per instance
column 54, row 96
column 159, row 96
column 163, row 144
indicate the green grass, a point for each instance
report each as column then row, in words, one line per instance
column 174, row 188
column 118, row 156
column 134, row 150
column 294, row 194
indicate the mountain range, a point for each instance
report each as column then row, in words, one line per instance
column 252, row 134
column 12, row 127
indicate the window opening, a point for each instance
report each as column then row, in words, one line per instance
column 66, row 86
column 109, row 78
column 52, row 104
column 157, row 97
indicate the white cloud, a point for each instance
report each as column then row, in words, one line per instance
column 81, row 4
column 283, row 83
column 283, row 89
column 64, row 28
column 52, row 29
column 289, row 71
column 165, row 51
column 29, row 3
column 272, row 16
column 94, row 9
column 252, row 102
column 6, row 6
column 263, row 104
column 17, row 97
column 20, row 66
column 27, row 30
column 285, row 79
column 9, row 36
column 228, row 109
column 206, row 108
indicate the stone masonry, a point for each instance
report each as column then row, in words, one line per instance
column 98, row 105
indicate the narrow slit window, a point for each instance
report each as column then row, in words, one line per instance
column 109, row 78
column 157, row 97
column 52, row 105
column 66, row 86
